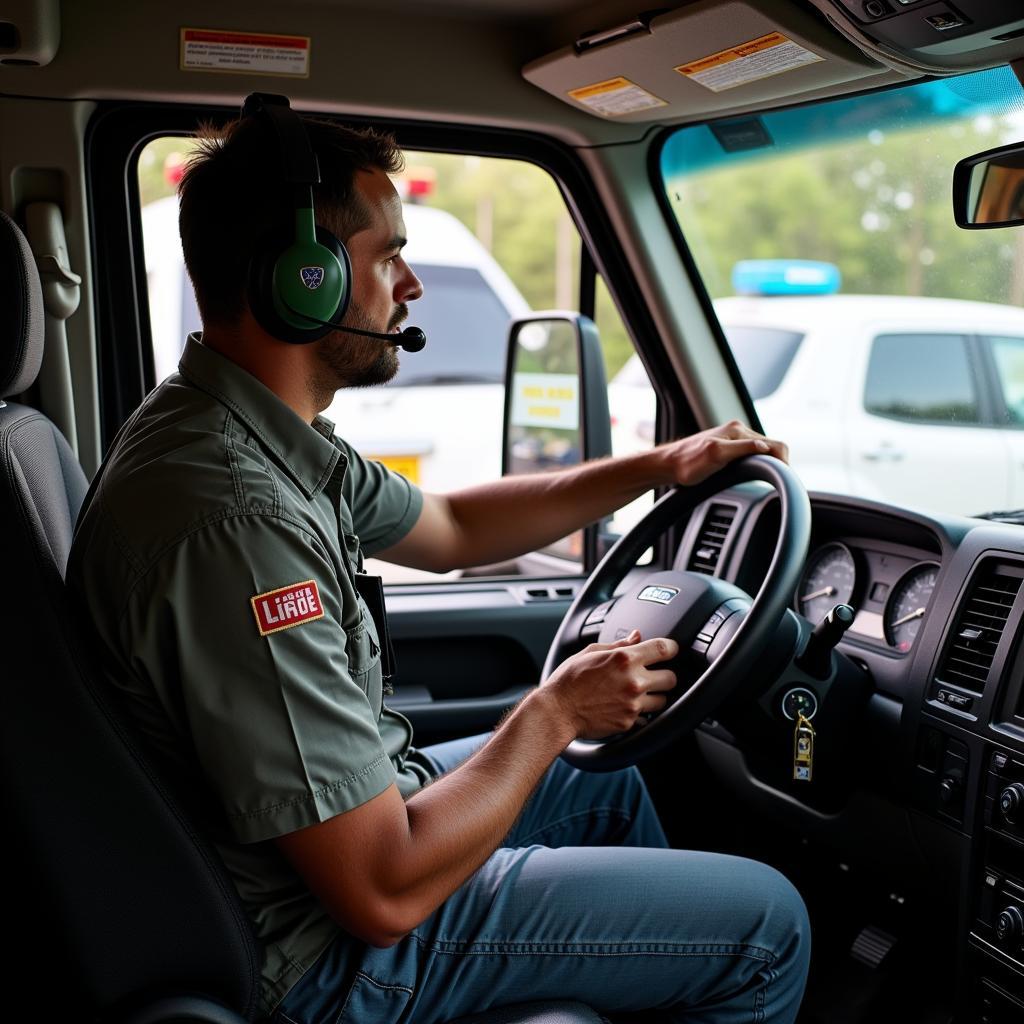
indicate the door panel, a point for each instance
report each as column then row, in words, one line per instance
column 467, row 651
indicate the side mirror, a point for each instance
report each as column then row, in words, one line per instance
column 556, row 395
column 988, row 188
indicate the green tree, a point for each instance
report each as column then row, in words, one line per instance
column 877, row 206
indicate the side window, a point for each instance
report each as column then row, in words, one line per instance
column 490, row 239
column 925, row 377
column 1008, row 353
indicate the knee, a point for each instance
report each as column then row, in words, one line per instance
column 787, row 928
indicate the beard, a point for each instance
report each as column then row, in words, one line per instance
column 352, row 361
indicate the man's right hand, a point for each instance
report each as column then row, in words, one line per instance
column 605, row 687
column 383, row 867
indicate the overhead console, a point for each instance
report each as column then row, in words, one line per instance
column 937, row 36
column 704, row 58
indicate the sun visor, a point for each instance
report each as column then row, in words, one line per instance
column 702, row 58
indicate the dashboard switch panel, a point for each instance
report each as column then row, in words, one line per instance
column 1004, row 797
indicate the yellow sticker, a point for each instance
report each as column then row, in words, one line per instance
column 759, row 58
column 615, row 96
column 405, row 465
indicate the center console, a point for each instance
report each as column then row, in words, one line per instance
column 996, row 905
column 968, row 772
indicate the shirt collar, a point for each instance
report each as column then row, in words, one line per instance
column 306, row 452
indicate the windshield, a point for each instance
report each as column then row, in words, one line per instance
column 883, row 343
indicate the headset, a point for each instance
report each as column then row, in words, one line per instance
column 300, row 279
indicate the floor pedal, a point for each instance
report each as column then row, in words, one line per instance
column 872, row 946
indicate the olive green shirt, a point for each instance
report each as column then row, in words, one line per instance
column 215, row 556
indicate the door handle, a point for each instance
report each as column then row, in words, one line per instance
column 883, row 453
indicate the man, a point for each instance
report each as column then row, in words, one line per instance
column 218, row 556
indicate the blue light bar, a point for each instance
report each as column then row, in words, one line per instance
column 785, row 277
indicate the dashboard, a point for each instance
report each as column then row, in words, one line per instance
column 929, row 767
column 889, row 589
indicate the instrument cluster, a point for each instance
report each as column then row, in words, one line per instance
column 888, row 588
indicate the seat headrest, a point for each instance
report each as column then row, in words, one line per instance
column 22, row 325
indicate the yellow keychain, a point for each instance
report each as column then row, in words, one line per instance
column 803, row 749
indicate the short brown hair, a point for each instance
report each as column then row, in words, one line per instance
column 233, row 192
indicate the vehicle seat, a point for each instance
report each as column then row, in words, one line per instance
column 120, row 908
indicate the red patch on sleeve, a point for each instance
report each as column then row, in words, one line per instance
column 287, row 606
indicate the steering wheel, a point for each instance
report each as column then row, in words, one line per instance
column 717, row 626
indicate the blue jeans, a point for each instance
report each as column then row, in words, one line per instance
column 584, row 902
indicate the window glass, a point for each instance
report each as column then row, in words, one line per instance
column 763, row 355
column 921, row 377
column 1008, row 354
column 459, row 308
column 834, row 221
column 491, row 240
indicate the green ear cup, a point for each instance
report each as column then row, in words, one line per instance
column 308, row 278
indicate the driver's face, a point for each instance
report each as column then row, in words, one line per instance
column 382, row 285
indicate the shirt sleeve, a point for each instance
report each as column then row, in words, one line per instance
column 270, row 687
column 385, row 506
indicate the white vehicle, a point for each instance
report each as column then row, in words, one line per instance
column 172, row 303
column 913, row 401
column 417, row 423
column 908, row 400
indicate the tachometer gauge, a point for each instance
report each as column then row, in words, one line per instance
column 828, row 580
column 907, row 605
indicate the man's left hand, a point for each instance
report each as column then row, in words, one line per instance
column 692, row 459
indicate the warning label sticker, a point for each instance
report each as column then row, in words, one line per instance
column 616, row 96
column 760, row 58
column 244, row 53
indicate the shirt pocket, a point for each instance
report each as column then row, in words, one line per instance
column 362, row 647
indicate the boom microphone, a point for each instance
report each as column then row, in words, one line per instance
column 412, row 339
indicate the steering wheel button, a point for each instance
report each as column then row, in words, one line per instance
column 711, row 627
column 599, row 614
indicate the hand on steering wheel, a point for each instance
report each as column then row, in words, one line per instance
column 686, row 607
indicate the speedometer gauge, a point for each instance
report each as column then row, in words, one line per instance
column 907, row 605
column 828, row 580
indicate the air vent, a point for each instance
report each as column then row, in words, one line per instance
column 711, row 539
column 978, row 629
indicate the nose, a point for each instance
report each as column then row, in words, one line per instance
column 408, row 287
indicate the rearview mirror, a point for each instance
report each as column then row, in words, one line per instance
column 988, row 188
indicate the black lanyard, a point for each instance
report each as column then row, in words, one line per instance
column 371, row 590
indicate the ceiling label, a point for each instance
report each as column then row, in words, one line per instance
column 244, row 53
column 760, row 58
column 616, row 96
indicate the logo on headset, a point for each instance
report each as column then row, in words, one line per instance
column 312, row 277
